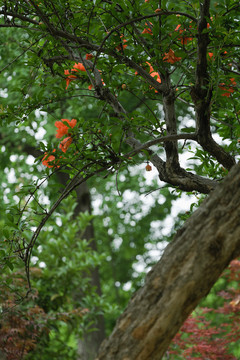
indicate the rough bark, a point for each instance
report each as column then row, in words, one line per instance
column 190, row 266
column 202, row 94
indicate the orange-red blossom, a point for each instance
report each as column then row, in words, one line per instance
column 62, row 129
column 184, row 39
column 147, row 30
column 229, row 90
column 65, row 143
column 170, row 57
column 122, row 46
column 80, row 66
column 153, row 74
column 89, row 56
column 71, row 77
column 210, row 54
column 48, row 159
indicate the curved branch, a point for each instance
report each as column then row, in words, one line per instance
column 189, row 267
column 72, row 185
column 167, row 172
column 233, row 8
column 176, row 177
column 89, row 46
column 211, row 117
column 201, row 94
column 17, row 57
column 138, row 19
column 19, row 16
column 162, row 139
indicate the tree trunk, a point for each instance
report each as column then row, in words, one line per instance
column 189, row 267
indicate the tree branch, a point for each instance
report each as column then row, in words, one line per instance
column 189, row 267
column 163, row 139
column 177, row 177
column 170, row 171
column 18, row 16
column 72, row 185
column 202, row 93
column 171, row 148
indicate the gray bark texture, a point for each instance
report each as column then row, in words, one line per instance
column 189, row 267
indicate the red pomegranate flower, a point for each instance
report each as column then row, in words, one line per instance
column 62, row 129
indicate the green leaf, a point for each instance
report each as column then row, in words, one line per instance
column 6, row 233
column 2, row 253
column 188, row 130
column 9, row 264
